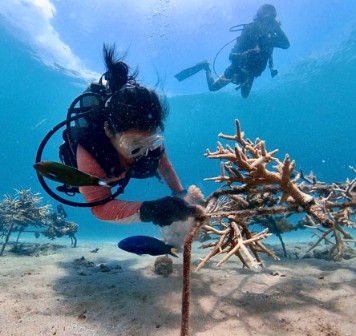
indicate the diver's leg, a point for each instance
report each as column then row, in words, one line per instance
column 215, row 85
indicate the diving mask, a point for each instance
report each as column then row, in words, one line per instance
column 137, row 147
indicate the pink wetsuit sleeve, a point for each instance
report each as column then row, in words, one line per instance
column 168, row 174
column 115, row 211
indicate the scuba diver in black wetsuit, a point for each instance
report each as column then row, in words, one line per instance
column 252, row 51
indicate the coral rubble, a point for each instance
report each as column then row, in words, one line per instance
column 163, row 265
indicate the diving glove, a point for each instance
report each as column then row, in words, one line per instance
column 166, row 210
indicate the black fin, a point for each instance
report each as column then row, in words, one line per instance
column 184, row 74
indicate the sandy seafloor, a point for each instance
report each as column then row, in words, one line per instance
column 73, row 291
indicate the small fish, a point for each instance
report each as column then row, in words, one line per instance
column 71, row 176
column 146, row 245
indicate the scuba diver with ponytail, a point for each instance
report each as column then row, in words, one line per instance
column 252, row 51
column 117, row 136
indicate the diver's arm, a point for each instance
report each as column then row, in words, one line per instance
column 168, row 174
column 279, row 39
column 247, row 44
column 115, row 211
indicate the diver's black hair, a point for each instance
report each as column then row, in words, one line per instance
column 136, row 107
column 117, row 71
column 131, row 106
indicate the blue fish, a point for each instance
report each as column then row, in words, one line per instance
column 146, row 245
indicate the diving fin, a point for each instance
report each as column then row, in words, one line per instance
column 184, row 74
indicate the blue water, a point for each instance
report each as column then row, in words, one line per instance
column 309, row 113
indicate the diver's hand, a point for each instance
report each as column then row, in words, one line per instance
column 166, row 210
